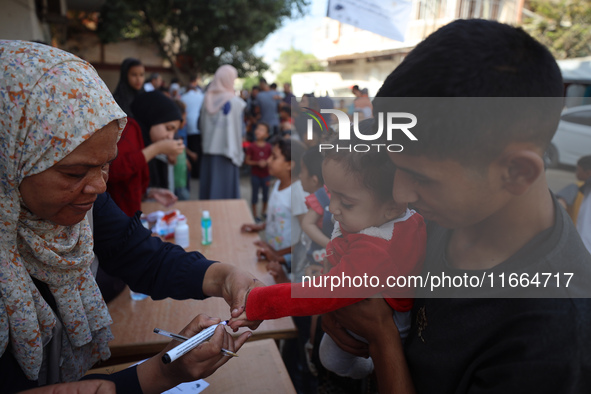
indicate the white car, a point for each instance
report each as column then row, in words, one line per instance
column 572, row 139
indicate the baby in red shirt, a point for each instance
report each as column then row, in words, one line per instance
column 374, row 237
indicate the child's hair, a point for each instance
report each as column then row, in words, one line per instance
column 471, row 59
column 286, row 109
column 266, row 125
column 585, row 163
column 292, row 150
column 312, row 159
column 374, row 168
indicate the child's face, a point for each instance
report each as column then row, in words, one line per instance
column 278, row 165
column 261, row 133
column 135, row 77
column 164, row 131
column 353, row 205
column 447, row 192
column 309, row 182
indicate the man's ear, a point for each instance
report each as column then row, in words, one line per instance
column 521, row 168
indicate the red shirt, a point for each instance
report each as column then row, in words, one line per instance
column 128, row 174
column 350, row 255
column 256, row 153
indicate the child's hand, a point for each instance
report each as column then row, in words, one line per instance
column 251, row 228
column 276, row 270
column 262, row 163
column 313, row 270
column 242, row 321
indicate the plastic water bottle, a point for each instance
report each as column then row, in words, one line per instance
column 205, row 228
column 181, row 232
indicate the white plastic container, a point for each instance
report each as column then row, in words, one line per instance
column 181, row 232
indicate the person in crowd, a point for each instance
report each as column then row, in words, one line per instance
column 267, row 101
column 174, row 90
column 193, row 99
column 482, row 189
column 131, row 82
column 154, row 83
column 60, row 129
column 287, row 95
column 221, row 124
column 286, row 121
column 286, row 203
column 362, row 105
column 575, row 199
column 159, row 119
column 182, row 165
column 252, row 113
column 373, row 234
column 257, row 157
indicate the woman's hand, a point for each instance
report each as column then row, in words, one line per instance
column 170, row 147
column 205, row 359
column 163, row 196
column 234, row 284
column 96, row 386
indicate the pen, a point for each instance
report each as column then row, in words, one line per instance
column 190, row 343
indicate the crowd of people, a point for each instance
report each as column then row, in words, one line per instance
column 469, row 200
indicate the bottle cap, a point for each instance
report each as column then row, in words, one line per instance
column 206, row 214
column 181, row 220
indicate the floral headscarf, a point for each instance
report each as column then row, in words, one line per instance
column 51, row 102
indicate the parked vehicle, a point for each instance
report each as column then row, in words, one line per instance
column 572, row 139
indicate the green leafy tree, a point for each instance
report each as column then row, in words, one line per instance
column 564, row 26
column 296, row 61
column 198, row 35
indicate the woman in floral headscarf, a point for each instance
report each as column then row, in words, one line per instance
column 59, row 129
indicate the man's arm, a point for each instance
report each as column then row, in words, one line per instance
column 372, row 319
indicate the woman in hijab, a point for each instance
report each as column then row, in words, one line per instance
column 139, row 170
column 222, row 124
column 131, row 84
column 159, row 118
column 60, row 126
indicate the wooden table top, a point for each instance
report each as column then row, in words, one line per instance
column 257, row 369
column 134, row 321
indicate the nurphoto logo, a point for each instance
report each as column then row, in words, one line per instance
column 392, row 120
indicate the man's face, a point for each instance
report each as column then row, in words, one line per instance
column 447, row 192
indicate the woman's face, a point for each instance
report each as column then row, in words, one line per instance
column 164, row 131
column 64, row 193
column 136, row 77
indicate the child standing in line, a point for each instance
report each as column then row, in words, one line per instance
column 373, row 236
column 181, row 167
column 257, row 155
column 286, row 203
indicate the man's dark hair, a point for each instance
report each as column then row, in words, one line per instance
column 292, row 150
column 312, row 159
column 585, row 163
column 153, row 76
column 262, row 80
column 374, row 168
column 475, row 59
